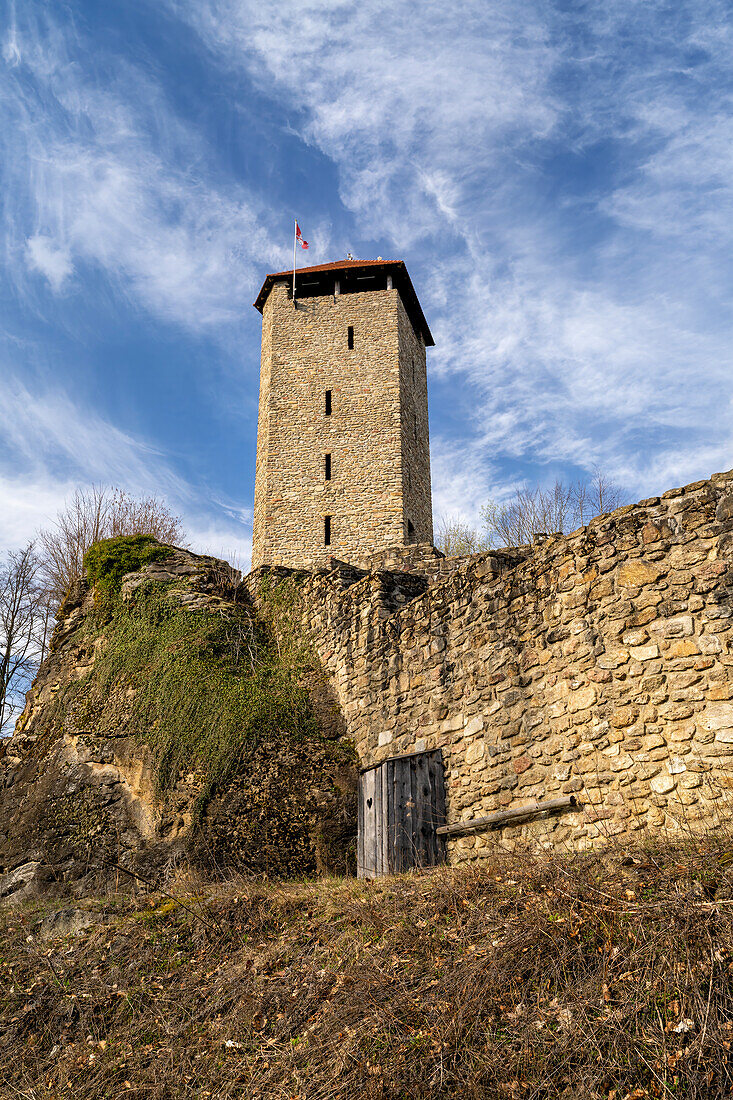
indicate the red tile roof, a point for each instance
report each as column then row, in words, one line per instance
column 396, row 268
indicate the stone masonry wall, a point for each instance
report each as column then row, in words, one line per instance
column 597, row 664
column 378, row 482
column 415, row 432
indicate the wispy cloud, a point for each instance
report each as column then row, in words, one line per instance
column 44, row 430
column 52, row 446
column 107, row 175
column 10, row 47
column 562, row 181
column 413, row 104
column 53, row 261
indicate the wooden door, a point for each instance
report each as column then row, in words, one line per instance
column 401, row 805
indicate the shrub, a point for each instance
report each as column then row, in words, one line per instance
column 108, row 561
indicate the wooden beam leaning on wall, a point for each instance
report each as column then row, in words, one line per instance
column 508, row 817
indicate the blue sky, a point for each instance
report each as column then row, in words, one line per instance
column 558, row 178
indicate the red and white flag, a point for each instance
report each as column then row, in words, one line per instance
column 299, row 236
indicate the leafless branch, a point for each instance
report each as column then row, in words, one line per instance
column 90, row 515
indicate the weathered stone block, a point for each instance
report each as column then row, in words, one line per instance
column 635, row 573
column 644, row 652
column 475, row 751
column 662, row 783
column 718, row 716
column 474, row 726
column 678, row 626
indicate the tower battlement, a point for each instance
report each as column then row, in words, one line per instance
column 343, row 460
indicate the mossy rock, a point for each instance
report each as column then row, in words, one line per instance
column 108, row 561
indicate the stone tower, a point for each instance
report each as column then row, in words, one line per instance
column 343, row 460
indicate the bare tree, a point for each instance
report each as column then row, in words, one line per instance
column 594, row 497
column 455, row 538
column 534, row 511
column 100, row 512
column 530, row 512
column 25, row 617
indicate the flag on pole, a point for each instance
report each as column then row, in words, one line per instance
column 297, row 239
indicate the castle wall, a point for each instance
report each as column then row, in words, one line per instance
column 305, row 353
column 597, row 664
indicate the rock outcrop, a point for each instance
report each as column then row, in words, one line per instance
column 99, row 791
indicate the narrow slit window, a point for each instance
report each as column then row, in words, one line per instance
column 326, row 530
column 351, row 337
column 328, row 402
column 328, row 467
column 410, row 529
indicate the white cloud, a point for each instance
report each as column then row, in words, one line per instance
column 109, row 176
column 44, row 430
column 26, row 504
column 11, row 49
column 568, row 348
column 51, row 446
column 50, row 259
column 581, row 327
column 414, row 104
column 232, row 543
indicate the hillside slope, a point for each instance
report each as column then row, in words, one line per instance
column 171, row 723
column 529, row 980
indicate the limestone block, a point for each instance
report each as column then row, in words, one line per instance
column 624, row 716
column 635, row 573
column 581, row 699
column 613, row 658
column 474, row 726
column 644, row 652
column 650, row 533
column 676, row 765
column 686, row 648
column 684, row 679
column 662, row 783
column 622, row 763
column 385, row 737
column 674, row 712
column 718, row 716
column 475, row 751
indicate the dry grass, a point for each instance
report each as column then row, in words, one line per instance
column 577, row 977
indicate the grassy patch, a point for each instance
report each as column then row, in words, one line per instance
column 108, row 561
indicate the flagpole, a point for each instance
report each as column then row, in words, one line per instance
column 295, row 237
